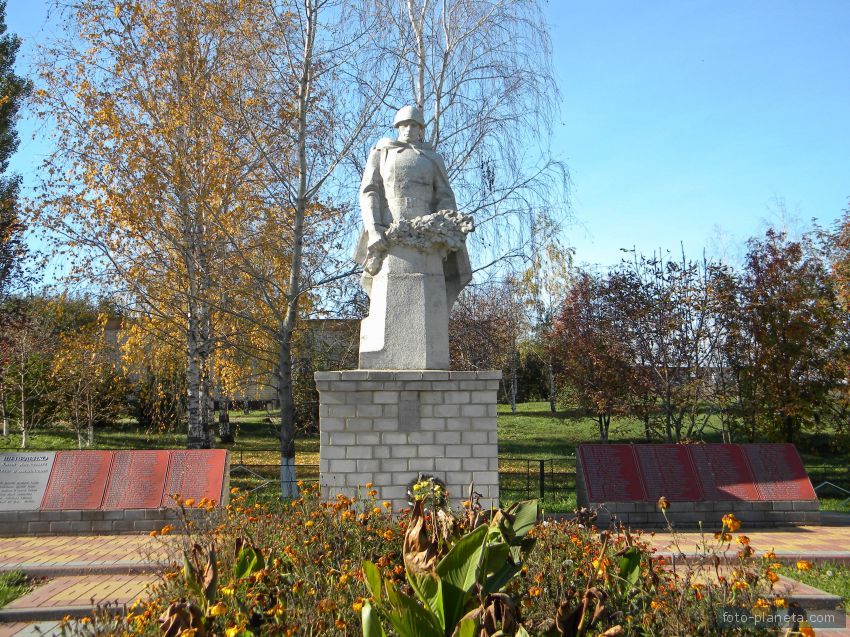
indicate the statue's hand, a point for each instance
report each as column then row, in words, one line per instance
column 375, row 236
column 376, row 250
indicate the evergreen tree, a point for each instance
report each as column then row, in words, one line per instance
column 13, row 89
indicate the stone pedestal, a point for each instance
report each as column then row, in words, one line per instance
column 408, row 322
column 387, row 427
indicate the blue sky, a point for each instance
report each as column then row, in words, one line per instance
column 681, row 121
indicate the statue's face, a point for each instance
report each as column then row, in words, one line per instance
column 409, row 131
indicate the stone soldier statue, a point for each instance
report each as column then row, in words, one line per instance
column 413, row 251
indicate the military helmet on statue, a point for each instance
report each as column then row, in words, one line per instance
column 409, row 114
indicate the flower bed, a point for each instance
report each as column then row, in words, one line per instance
column 297, row 568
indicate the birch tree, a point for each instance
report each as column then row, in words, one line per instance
column 306, row 65
column 147, row 166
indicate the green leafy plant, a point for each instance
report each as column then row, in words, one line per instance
column 459, row 591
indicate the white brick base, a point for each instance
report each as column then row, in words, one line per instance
column 387, row 427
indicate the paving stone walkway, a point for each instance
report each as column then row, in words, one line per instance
column 815, row 543
column 84, row 571
column 119, row 567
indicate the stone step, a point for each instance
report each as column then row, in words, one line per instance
column 76, row 596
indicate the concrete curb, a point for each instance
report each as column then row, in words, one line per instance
column 59, row 570
column 52, row 613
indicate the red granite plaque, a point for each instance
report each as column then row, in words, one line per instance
column 611, row 473
column 196, row 473
column 723, row 472
column 78, row 480
column 667, row 470
column 137, row 480
column 779, row 472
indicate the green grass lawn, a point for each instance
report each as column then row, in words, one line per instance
column 530, row 435
column 13, row 585
column 830, row 577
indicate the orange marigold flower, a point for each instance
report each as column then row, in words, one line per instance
column 218, row 609
column 234, row 490
column 357, row 605
column 769, row 555
column 780, row 602
column 731, row 523
column 723, row 537
column 376, row 510
column 807, row 631
column 535, row 591
column 804, row 565
column 773, row 577
column 153, row 533
column 743, row 540
column 339, row 624
column 663, row 503
column 189, row 502
column 372, row 493
column 369, row 485
column 761, row 604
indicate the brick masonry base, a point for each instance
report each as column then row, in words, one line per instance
column 89, row 522
column 387, row 427
column 692, row 514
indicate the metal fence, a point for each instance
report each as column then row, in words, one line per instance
column 552, row 480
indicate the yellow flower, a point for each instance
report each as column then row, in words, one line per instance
column 740, row 585
column 780, row 602
column 218, row 609
column 535, row 591
column 189, row 502
column 743, row 540
column 804, row 565
column 807, row 631
column 369, row 485
column 773, row 577
column 357, row 606
column 387, row 504
column 153, row 533
column 168, row 528
column 761, row 604
column 376, row 510
column 731, row 523
column 309, row 523
column 769, row 555
column 234, row 490
column 372, row 493
column 232, row 632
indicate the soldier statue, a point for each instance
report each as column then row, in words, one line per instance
column 412, row 249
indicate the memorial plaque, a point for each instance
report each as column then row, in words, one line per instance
column 723, row 472
column 779, row 472
column 137, row 480
column 196, row 473
column 78, row 480
column 667, row 471
column 23, row 479
column 611, row 473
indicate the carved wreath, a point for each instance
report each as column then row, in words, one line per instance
column 445, row 229
column 442, row 230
